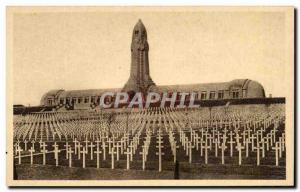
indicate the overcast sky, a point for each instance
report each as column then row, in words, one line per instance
column 85, row 50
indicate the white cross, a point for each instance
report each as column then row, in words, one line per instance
column 66, row 146
column 190, row 147
column 110, row 141
column 276, row 148
column 79, row 150
column 262, row 147
column 84, row 152
column 252, row 138
column 113, row 157
column 283, row 141
column 16, row 145
column 231, row 142
column 32, row 142
column 143, row 153
column 25, row 143
column 206, row 152
column 56, row 151
column 128, row 153
column 174, row 151
column 31, row 150
column 159, row 153
column 104, row 150
column 19, row 150
column 258, row 148
column 223, row 147
column 239, row 147
column 92, row 150
column 118, row 146
column 247, row 147
column 86, row 144
column 70, row 151
column 237, row 137
column 132, row 151
column 75, row 146
column 44, row 151
column 216, row 147
column 244, row 134
column 97, row 154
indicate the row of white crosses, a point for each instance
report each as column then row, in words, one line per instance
column 145, row 148
column 43, row 151
column 159, row 147
column 206, row 139
column 189, row 144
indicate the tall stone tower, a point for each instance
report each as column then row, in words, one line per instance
column 139, row 80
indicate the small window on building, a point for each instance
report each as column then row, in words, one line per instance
column 68, row 100
column 73, row 100
column 80, row 100
column 86, row 99
column 203, row 95
column 221, row 94
column 50, row 102
column 195, row 96
column 61, row 101
column 212, row 95
column 235, row 94
column 93, row 99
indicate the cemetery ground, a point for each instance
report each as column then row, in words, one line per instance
column 152, row 144
column 195, row 170
column 51, row 172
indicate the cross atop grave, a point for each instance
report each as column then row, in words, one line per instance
column 69, row 152
column 118, row 146
column 32, row 143
column 98, row 152
column 143, row 153
column 276, row 148
column 91, row 145
column 159, row 153
column 262, row 142
column 231, row 142
column 67, row 147
column 44, row 151
column 56, row 151
column 113, row 152
column 237, row 138
column 258, row 148
column 79, row 149
column 104, row 150
column 19, row 150
column 190, row 147
column 223, row 147
column 31, row 150
column 128, row 153
column 110, row 142
column 206, row 147
column 25, row 145
column 75, row 146
column 86, row 144
column 239, row 147
column 84, row 152
column 16, row 146
column 132, row 150
column 217, row 142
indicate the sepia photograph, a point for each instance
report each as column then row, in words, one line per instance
column 150, row 96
